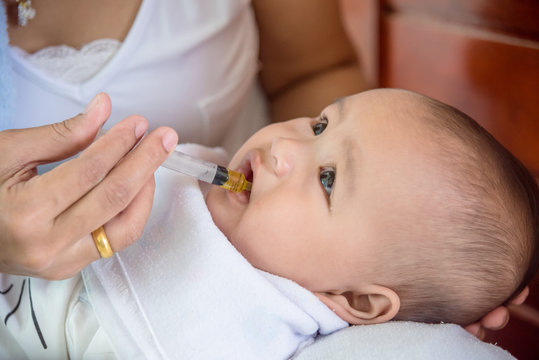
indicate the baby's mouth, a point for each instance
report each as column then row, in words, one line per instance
column 249, row 174
column 246, row 169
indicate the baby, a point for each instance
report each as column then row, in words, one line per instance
column 389, row 205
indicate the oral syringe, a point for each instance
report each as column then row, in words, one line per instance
column 207, row 171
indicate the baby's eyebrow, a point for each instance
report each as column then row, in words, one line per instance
column 350, row 149
column 340, row 103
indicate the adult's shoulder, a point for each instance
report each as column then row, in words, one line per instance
column 307, row 58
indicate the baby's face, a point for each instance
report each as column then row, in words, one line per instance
column 324, row 189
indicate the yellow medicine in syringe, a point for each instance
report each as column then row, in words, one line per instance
column 207, row 171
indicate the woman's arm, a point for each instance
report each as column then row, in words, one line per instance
column 307, row 59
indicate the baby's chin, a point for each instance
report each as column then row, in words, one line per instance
column 215, row 201
column 227, row 207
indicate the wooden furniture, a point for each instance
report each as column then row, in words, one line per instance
column 481, row 56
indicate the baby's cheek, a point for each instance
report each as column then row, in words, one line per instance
column 218, row 212
column 248, row 240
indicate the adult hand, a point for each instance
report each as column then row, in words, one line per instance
column 497, row 318
column 46, row 220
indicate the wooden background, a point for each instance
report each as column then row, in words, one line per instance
column 481, row 56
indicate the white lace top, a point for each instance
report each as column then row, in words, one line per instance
column 69, row 64
column 187, row 64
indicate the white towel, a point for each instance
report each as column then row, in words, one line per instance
column 402, row 340
column 183, row 291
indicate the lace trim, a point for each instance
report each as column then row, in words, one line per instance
column 71, row 65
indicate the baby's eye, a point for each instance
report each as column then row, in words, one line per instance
column 320, row 125
column 327, row 179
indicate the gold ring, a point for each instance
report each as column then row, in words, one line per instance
column 102, row 242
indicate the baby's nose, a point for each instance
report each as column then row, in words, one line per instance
column 282, row 154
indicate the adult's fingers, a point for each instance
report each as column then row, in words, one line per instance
column 120, row 186
column 127, row 227
column 475, row 329
column 54, row 142
column 499, row 317
column 122, row 230
column 81, row 174
column 496, row 319
column 521, row 297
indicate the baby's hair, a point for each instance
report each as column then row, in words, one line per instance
column 481, row 249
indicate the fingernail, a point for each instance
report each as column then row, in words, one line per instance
column 140, row 129
column 92, row 104
column 170, row 140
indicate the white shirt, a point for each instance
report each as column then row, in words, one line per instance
column 186, row 64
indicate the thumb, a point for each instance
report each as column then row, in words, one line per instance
column 61, row 140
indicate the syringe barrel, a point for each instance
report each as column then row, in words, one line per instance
column 188, row 165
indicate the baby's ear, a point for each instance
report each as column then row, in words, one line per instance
column 374, row 304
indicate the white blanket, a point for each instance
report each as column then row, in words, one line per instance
column 183, row 291
column 402, row 340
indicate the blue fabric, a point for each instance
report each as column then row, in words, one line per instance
column 7, row 90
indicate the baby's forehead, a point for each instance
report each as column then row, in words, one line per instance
column 389, row 98
column 398, row 160
column 392, row 108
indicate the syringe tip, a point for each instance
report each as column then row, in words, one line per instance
column 236, row 182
